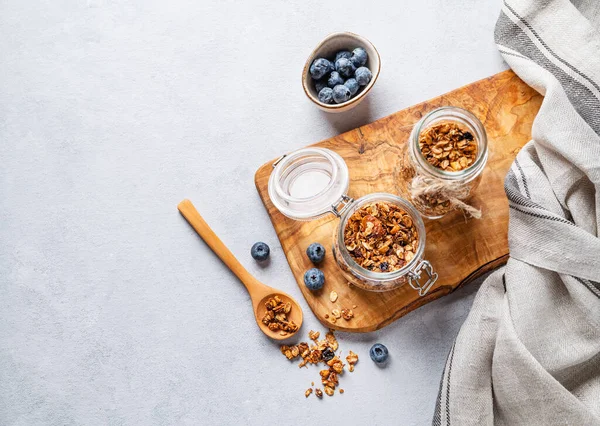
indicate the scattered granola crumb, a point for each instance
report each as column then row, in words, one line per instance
column 341, row 390
column 352, row 359
column 333, row 296
column 321, row 351
column 353, row 306
column 313, row 335
column 326, row 316
column 336, row 313
column 276, row 316
column 347, row 314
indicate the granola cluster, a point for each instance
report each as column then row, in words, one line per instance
column 381, row 237
column 448, row 147
column 276, row 316
column 321, row 351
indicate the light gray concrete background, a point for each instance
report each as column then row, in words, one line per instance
column 112, row 311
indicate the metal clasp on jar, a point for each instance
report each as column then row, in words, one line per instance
column 341, row 205
column 414, row 277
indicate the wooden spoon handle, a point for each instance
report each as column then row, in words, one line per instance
column 187, row 209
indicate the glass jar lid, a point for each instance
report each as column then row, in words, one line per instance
column 309, row 183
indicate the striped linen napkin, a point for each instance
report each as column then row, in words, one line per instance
column 529, row 351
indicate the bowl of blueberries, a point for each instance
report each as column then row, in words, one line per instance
column 340, row 71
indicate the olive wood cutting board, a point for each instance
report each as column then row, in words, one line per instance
column 460, row 249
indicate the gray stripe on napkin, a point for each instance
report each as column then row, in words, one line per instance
column 509, row 34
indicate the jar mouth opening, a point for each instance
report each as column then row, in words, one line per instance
column 464, row 117
column 286, row 170
column 392, row 199
column 306, row 184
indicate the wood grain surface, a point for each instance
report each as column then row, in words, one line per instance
column 460, row 249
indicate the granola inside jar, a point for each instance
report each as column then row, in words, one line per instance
column 312, row 182
column 379, row 244
column 442, row 162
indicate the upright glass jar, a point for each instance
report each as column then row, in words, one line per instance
column 312, row 183
column 434, row 190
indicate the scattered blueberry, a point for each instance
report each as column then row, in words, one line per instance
column 359, row 57
column 343, row 54
column 345, row 67
column 320, row 84
column 341, row 94
column 327, row 354
column 384, row 266
column 379, row 353
column 320, row 67
column 352, row 84
column 334, row 79
column 314, row 279
column 260, row 251
column 315, row 252
column 363, row 76
column 326, row 95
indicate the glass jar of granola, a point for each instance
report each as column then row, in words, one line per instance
column 380, row 238
column 442, row 162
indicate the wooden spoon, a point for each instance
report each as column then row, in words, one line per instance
column 259, row 292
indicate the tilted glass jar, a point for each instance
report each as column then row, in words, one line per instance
column 433, row 191
column 312, row 183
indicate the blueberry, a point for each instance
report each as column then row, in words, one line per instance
column 260, row 251
column 352, row 84
column 334, row 79
column 343, row 54
column 320, row 84
column 315, row 252
column 314, row 279
column 327, row 354
column 320, row 67
column 345, row 67
column 363, row 76
column 379, row 353
column 359, row 57
column 326, row 95
column 340, row 93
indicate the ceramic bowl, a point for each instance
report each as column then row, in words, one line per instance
column 327, row 48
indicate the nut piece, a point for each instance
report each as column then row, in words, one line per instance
column 352, row 359
column 329, row 391
column 319, row 393
column 347, row 314
column 333, row 296
column 332, row 341
column 308, row 392
column 336, row 313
